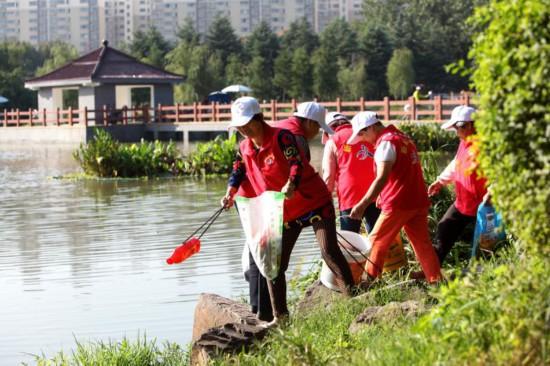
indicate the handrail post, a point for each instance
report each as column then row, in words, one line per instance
column 438, row 108
column 386, row 109
column 293, row 101
column 18, row 117
column 273, row 110
column 214, row 113
column 44, row 116
column 412, row 103
column 195, row 112
column 30, row 116
column 158, row 115
column 177, row 112
column 466, row 99
column 70, row 116
column 338, row 104
column 5, row 117
column 57, row 117
column 86, row 116
column 361, row 104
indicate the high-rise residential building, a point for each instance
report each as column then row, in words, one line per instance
column 36, row 21
column 84, row 23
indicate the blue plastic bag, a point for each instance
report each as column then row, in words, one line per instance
column 489, row 228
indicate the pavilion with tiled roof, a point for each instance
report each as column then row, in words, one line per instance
column 104, row 77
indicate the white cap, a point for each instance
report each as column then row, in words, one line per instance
column 461, row 113
column 358, row 122
column 315, row 112
column 333, row 117
column 242, row 111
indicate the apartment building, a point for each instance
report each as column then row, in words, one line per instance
column 35, row 21
column 84, row 23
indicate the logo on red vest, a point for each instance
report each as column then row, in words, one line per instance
column 363, row 153
column 270, row 159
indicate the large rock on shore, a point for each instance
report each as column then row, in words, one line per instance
column 222, row 326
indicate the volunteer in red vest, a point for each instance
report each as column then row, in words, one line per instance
column 269, row 159
column 470, row 188
column 400, row 193
column 305, row 124
column 349, row 169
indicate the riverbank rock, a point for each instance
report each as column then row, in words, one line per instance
column 387, row 314
column 222, row 326
column 317, row 295
column 214, row 311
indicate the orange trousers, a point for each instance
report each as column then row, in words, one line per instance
column 415, row 224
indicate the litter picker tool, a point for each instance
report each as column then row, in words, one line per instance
column 192, row 244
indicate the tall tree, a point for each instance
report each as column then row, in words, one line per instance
column 259, row 78
column 18, row 62
column 150, row 47
column 341, row 39
column 56, row 54
column 353, row 80
column 400, row 73
column 282, row 76
column 325, row 74
column 221, row 38
column 187, row 33
column 235, row 70
column 301, row 82
column 264, row 43
column 377, row 49
column 300, row 35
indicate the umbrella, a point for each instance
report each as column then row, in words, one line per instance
column 3, row 100
column 236, row 89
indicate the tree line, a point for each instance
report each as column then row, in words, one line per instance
column 398, row 43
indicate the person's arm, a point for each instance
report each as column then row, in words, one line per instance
column 445, row 178
column 238, row 174
column 289, row 147
column 330, row 164
column 383, row 170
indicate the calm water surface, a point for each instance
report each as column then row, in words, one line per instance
column 85, row 260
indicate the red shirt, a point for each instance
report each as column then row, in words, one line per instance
column 355, row 168
column 405, row 188
column 267, row 169
column 469, row 187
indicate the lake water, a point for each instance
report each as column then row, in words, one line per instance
column 85, row 260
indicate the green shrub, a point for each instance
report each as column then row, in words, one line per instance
column 512, row 70
column 430, row 136
column 105, row 157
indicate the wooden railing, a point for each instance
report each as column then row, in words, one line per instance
column 433, row 110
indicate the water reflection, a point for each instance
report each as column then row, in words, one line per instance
column 85, row 259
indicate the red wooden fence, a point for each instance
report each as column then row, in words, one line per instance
column 433, row 110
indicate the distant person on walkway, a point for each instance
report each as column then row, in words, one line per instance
column 269, row 159
column 349, row 169
column 305, row 124
column 402, row 197
column 470, row 188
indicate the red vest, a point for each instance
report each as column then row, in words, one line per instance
column 405, row 188
column 292, row 124
column 268, row 170
column 469, row 188
column 355, row 172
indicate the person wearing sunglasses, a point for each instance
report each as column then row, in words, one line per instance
column 470, row 187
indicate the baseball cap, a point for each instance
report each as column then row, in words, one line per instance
column 332, row 117
column 242, row 111
column 315, row 112
column 360, row 121
column 461, row 113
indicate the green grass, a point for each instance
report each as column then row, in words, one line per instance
column 498, row 316
column 142, row 352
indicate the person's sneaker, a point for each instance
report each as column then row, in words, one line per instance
column 275, row 323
